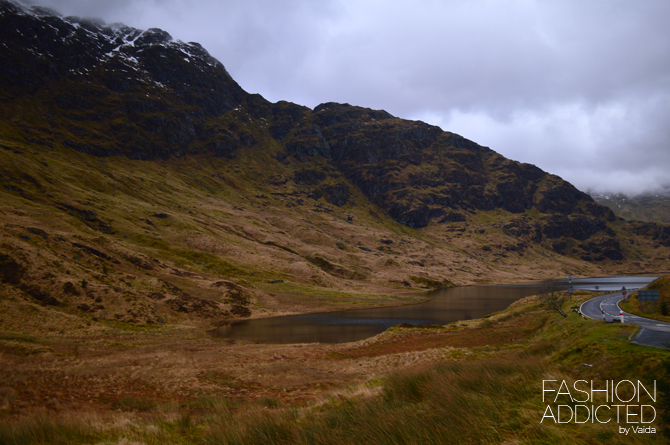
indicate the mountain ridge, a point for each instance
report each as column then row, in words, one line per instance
column 149, row 128
column 135, row 171
column 650, row 207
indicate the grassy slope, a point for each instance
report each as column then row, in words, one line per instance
column 173, row 242
column 108, row 263
column 220, row 222
column 468, row 382
column 634, row 306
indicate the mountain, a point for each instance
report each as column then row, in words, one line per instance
column 651, row 207
column 140, row 183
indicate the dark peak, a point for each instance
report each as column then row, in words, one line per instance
column 196, row 49
column 7, row 7
column 458, row 141
column 95, row 26
column 154, row 36
column 348, row 109
column 331, row 113
column 533, row 172
column 330, row 106
column 42, row 11
column 161, row 93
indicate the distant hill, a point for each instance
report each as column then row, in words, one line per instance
column 140, row 183
column 652, row 207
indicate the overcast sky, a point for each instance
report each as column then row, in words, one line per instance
column 579, row 88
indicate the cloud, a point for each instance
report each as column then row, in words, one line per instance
column 614, row 147
column 579, row 88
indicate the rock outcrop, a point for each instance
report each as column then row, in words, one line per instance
column 112, row 90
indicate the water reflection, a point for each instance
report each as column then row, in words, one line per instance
column 444, row 306
column 610, row 284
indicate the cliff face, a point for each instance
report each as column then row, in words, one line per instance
column 419, row 173
column 112, row 90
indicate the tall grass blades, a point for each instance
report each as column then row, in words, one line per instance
column 47, row 431
column 477, row 402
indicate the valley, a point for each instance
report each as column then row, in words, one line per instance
column 147, row 200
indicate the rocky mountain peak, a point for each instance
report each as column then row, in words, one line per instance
column 113, row 90
column 135, row 93
column 154, row 36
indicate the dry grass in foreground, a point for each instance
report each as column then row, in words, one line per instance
column 444, row 390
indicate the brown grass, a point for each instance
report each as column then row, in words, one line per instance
column 105, row 305
column 452, row 384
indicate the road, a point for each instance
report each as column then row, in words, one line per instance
column 652, row 332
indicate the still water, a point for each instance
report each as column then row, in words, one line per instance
column 444, row 306
column 610, row 284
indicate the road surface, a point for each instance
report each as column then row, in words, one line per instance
column 606, row 307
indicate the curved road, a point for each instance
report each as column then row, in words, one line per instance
column 651, row 333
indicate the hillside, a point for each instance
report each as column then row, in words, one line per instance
column 140, row 184
column 649, row 207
